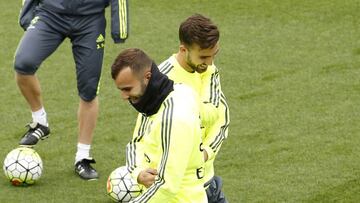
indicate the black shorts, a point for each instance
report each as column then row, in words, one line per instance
column 48, row 30
column 214, row 191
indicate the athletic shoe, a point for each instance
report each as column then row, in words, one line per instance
column 85, row 170
column 34, row 134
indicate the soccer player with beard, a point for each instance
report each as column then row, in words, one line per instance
column 194, row 65
column 165, row 152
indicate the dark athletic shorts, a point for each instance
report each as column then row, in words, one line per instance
column 48, row 30
column 214, row 191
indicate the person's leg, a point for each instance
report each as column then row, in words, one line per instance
column 37, row 44
column 29, row 86
column 87, row 116
column 87, row 43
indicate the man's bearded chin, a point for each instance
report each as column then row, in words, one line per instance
column 201, row 68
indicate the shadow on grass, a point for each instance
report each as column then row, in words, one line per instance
column 339, row 67
column 252, row 95
column 346, row 192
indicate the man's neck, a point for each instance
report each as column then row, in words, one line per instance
column 158, row 88
column 181, row 60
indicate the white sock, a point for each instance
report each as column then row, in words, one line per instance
column 83, row 152
column 39, row 116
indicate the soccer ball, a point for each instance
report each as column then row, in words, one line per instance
column 23, row 166
column 121, row 187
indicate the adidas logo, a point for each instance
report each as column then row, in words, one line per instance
column 100, row 39
column 33, row 22
column 100, row 42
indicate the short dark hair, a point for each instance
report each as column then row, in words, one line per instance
column 135, row 58
column 198, row 29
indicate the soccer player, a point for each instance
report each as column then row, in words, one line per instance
column 194, row 65
column 51, row 22
column 164, row 154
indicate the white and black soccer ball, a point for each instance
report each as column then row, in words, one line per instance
column 23, row 166
column 121, row 187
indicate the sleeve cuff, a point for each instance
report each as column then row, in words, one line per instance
column 118, row 40
column 136, row 173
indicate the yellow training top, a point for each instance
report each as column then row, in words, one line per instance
column 169, row 141
column 214, row 110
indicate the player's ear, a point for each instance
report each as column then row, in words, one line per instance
column 182, row 48
column 147, row 76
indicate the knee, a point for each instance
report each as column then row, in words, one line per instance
column 89, row 90
column 24, row 64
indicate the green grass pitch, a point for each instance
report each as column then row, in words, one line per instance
column 290, row 70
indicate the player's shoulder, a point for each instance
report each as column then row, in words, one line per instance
column 185, row 101
column 167, row 65
column 184, row 96
column 183, row 90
